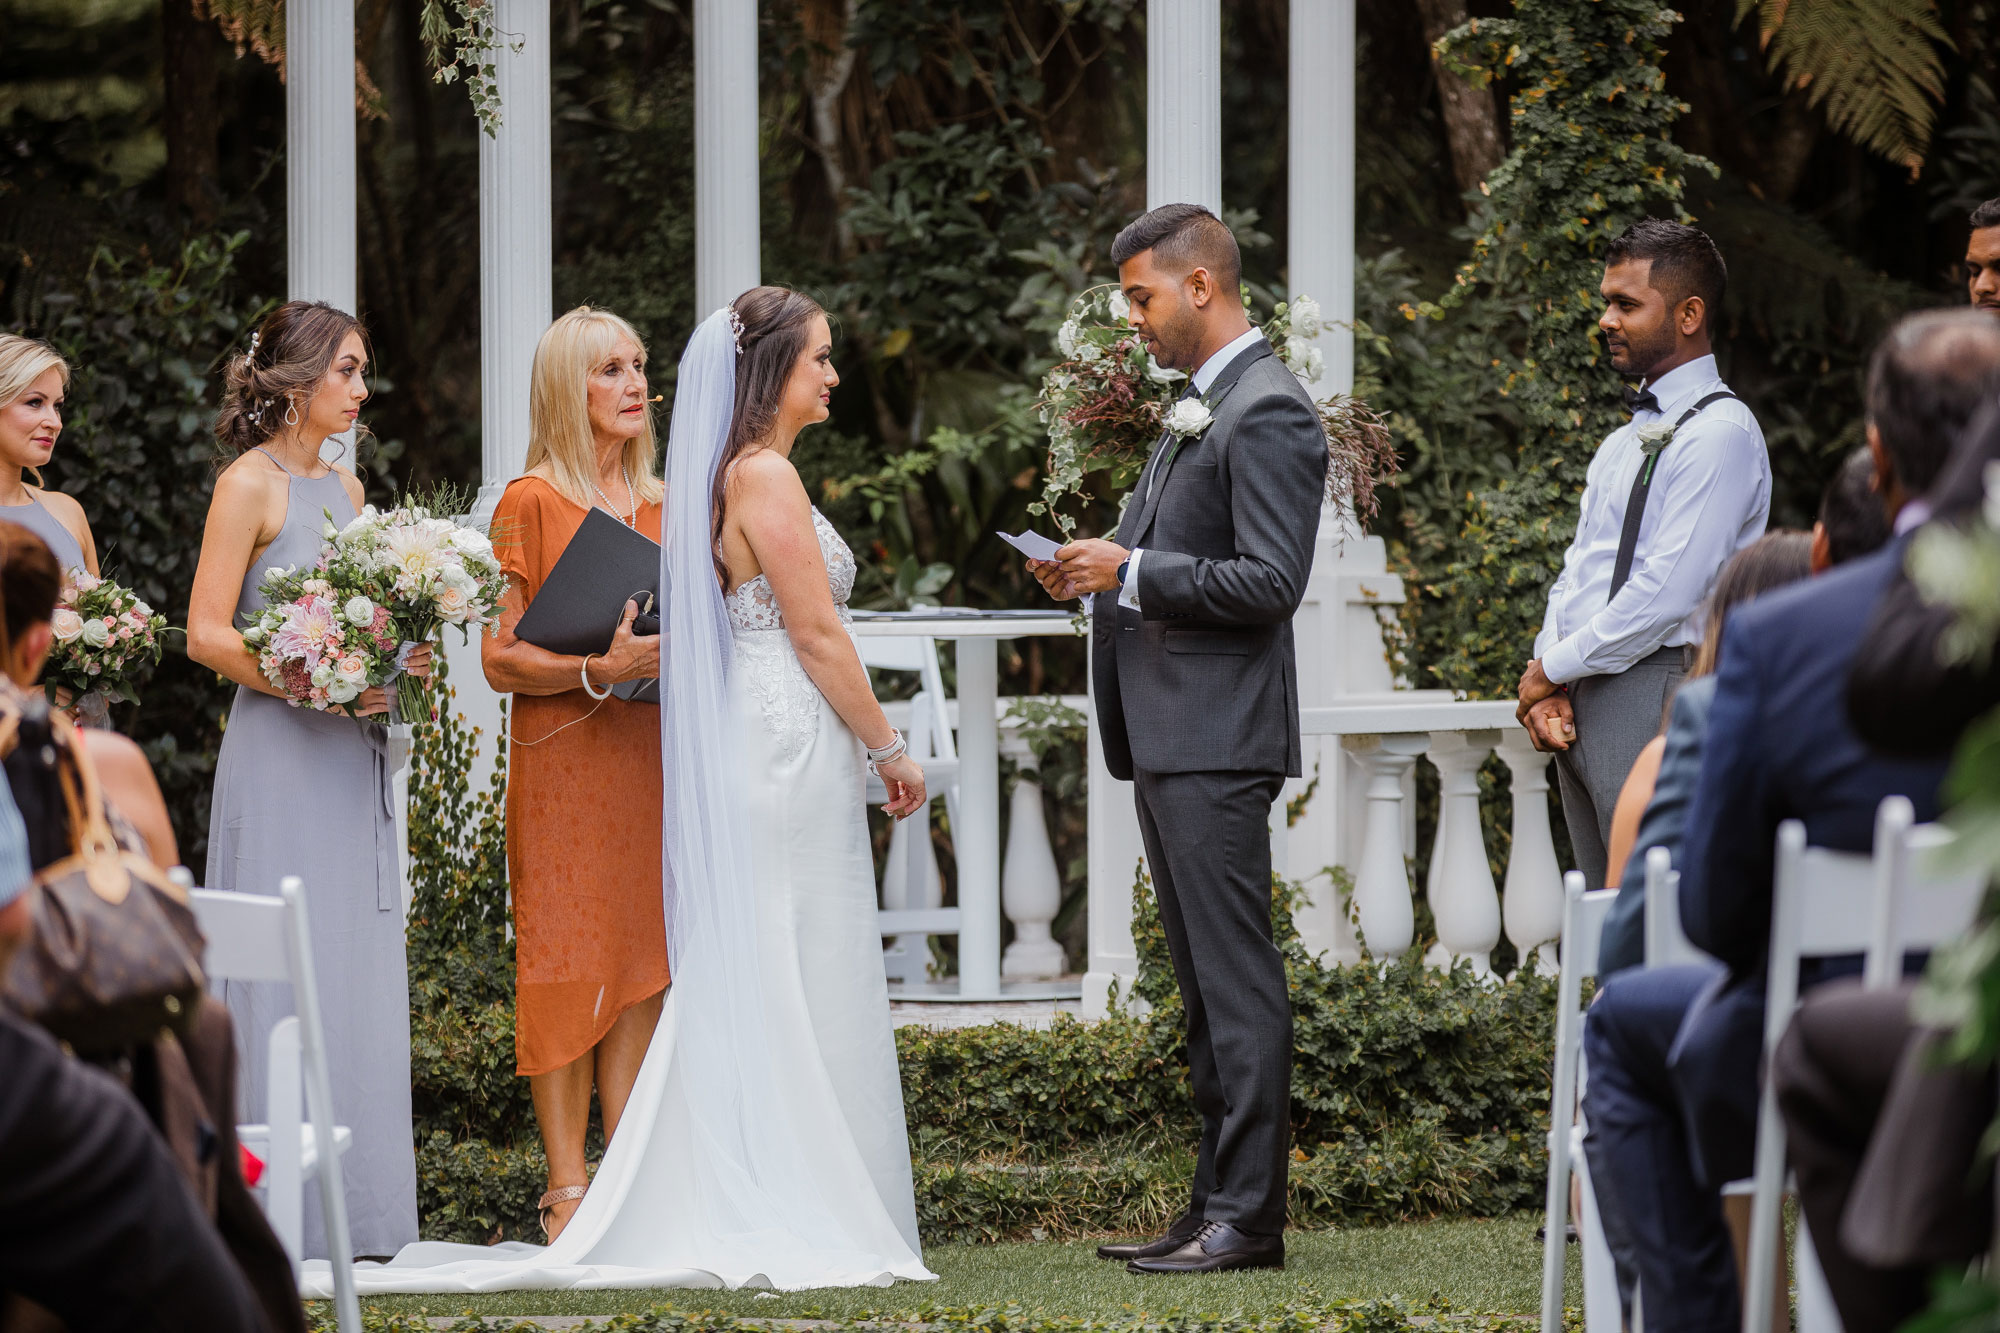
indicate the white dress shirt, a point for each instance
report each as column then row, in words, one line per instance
column 1711, row 496
column 1205, row 374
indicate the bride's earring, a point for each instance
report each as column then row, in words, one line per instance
column 291, row 411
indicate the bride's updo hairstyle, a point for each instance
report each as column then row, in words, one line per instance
column 282, row 366
column 775, row 323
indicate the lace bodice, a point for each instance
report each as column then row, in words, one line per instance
column 754, row 606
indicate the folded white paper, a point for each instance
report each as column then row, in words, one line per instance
column 1031, row 544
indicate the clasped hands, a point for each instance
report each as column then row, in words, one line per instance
column 1544, row 709
column 1087, row 565
column 375, row 699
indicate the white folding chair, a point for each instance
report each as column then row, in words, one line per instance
column 255, row 938
column 1828, row 904
column 1583, row 924
column 1666, row 943
column 912, row 889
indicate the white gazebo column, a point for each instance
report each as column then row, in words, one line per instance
column 320, row 188
column 516, row 241
column 1320, row 176
column 321, row 246
column 727, row 167
column 1184, row 103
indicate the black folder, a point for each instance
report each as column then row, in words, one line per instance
column 578, row 607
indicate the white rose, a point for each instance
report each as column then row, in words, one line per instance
column 1159, row 374
column 359, row 611
column 471, row 541
column 255, row 635
column 453, row 605
column 342, row 692
column 322, row 675
column 1305, row 316
column 66, row 623
column 1309, row 366
column 1066, row 338
column 1188, row 418
column 1655, row 437
column 95, row 633
column 1120, row 307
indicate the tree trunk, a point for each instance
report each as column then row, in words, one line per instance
column 829, row 66
column 1471, row 116
column 191, row 59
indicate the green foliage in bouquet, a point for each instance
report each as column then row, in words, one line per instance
column 1107, row 400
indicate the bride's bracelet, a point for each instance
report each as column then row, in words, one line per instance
column 888, row 754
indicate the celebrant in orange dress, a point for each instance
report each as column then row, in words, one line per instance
column 583, row 777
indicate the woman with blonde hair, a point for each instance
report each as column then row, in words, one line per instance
column 583, row 773
column 33, row 379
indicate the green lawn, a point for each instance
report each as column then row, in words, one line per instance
column 1488, row 1267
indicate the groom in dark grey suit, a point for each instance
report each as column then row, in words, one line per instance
column 1197, row 698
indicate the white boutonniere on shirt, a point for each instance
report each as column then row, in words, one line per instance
column 1655, row 437
column 1188, row 418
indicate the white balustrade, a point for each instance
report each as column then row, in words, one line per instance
column 1382, row 899
column 1030, row 887
column 1534, row 902
column 1460, row 885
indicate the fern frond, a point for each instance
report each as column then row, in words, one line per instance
column 1875, row 65
column 252, row 25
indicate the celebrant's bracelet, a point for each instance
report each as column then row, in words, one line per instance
column 588, row 688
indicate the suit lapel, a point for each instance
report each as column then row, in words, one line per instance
column 1217, row 391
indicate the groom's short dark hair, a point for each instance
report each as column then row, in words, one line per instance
column 1183, row 238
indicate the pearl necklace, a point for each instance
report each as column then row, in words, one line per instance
column 630, row 520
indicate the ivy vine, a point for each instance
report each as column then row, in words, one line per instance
column 461, row 39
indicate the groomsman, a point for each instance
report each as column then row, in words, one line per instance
column 1670, row 496
column 1982, row 258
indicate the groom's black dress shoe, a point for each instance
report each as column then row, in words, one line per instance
column 1216, row 1247
column 1177, row 1235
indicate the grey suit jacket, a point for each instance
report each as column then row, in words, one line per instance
column 1623, row 943
column 1205, row 679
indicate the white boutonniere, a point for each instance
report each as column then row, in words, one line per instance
column 1188, row 418
column 1655, row 437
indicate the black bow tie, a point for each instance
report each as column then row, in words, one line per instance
column 1638, row 399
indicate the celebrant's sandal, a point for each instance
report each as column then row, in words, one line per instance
column 552, row 1198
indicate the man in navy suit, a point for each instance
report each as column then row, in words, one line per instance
column 1673, row 1053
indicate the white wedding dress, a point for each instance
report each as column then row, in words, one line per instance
column 764, row 1143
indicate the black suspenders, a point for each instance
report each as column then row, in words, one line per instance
column 1635, row 504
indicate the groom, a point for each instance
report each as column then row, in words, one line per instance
column 1197, row 698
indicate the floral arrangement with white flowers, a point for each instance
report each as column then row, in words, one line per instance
column 104, row 635
column 1107, row 401
column 387, row 582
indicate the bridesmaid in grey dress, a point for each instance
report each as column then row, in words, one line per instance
column 306, row 793
column 33, row 379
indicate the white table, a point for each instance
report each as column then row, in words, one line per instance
column 975, row 636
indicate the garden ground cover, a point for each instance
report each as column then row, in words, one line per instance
column 1484, row 1266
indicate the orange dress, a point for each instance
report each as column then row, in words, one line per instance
column 583, row 824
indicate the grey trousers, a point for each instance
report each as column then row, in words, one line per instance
column 1615, row 717
column 1208, row 843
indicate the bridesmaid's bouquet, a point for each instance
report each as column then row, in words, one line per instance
column 384, row 584
column 104, row 635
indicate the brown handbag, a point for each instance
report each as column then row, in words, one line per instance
column 115, row 953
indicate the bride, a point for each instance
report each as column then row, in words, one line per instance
column 764, row 1143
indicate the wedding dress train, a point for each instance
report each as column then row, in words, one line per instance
column 764, row 1143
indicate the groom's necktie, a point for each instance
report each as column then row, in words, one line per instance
column 1165, row 448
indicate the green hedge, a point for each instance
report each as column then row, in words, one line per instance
column 1415, row 1093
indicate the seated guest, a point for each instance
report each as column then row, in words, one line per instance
column 1852, row 519
column 1674, row 1052
column 1653, row 806
column 1887, row 1205
column 183, row 1088
column 98, row 1228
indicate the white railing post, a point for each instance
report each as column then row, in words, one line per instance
column 1460, row 885
column 1382, row 894
column 1534, row 896
column 1030, row 887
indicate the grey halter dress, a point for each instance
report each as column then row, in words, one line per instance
column 304, row 793
column 36, row 518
